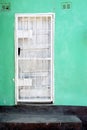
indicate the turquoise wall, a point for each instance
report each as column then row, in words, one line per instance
column 70, row 49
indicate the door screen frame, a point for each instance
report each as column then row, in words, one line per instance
column 52, row 15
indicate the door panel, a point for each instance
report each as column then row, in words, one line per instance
column 34, row 57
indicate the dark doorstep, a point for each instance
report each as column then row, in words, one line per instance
column 38, row 117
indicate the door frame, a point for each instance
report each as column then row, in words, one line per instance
column 52, row 51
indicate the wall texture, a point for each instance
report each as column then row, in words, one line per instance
column 70, row 49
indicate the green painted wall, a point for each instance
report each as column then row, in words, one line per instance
column 70, row 49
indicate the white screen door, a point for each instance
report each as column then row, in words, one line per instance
column 34, row 57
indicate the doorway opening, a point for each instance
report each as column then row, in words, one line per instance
column 34, row 57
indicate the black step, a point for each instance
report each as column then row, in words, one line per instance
column 38, row 118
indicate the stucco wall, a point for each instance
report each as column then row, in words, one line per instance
column 70, row 49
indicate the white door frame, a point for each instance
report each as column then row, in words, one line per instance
column 52, row 53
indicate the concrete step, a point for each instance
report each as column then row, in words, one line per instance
column 23, row 121
column 37, row 118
